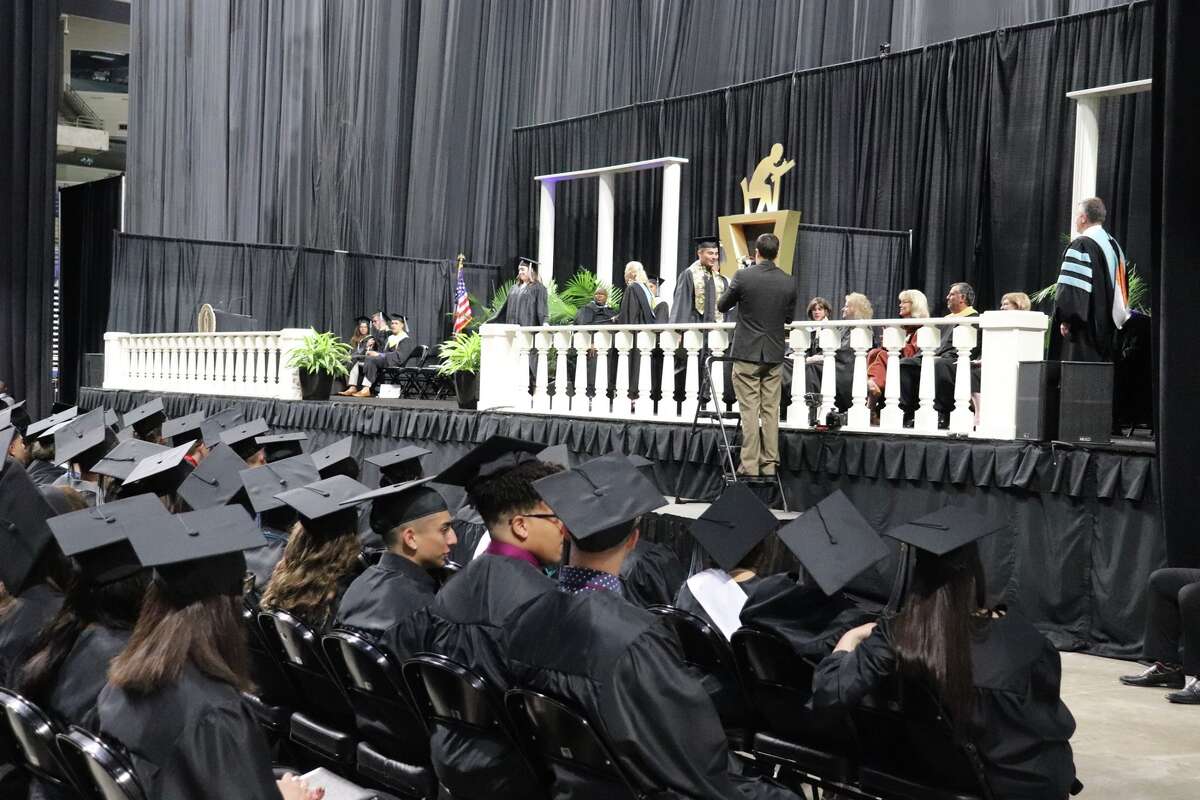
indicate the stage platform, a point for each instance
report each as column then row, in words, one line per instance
column 1084, row 535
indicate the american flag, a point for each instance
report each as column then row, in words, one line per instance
column 462, row 305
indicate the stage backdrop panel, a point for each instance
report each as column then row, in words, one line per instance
column 159, row 284
column 832, row 262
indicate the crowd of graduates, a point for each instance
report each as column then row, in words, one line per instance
column 133, row 548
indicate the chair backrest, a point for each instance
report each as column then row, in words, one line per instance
column 383, row 709
column 563, row 737
column 271, row 683
column 99, row 770
column 778, row 684
column 33, row 733
column 704, row 647
column 446, row 691
column 298, row 650
column 417, row 357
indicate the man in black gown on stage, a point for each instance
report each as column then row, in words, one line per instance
column 1092, row 301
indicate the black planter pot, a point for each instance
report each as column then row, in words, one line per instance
column 466, row 389
column 315, row 385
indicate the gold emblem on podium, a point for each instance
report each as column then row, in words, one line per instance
column 761, row 214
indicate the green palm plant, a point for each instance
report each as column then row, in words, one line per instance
column 321, row 352
column 461, row 353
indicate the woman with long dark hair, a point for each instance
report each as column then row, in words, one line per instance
column 320, row 558
column 173, row 698
column 996, row 676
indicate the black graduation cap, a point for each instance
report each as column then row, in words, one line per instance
column 496, row 454
column 6, row 440
column 946, row 529
column 393, row 506
column 833, row 542
column 529, row 262
column 213, row 426
column 199, row 554
column 282, row 445
column 709, row 240
column 215, row 480
column 183, row 429
column 263, row 483
column 597, row 499
column 337, row 459
column 160, row 473
column 100, row 538
column 556, row 454
column 113, row 420
column 24, row 534
column 399, row 466
column 17, row 416
column 121, row 460
column 733, row 525
column 362, row 320
column 325, row 497
column 146, row 417
column 243, row 438
column 35, row 430
column 85, row 439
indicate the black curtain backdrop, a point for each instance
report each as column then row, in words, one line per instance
column 836, row 261
column 1083, row 537
column 89, row 215
column 968, row 143
column 1177, row 240
column 385, row 126
column 158, row 285
column 29, row 62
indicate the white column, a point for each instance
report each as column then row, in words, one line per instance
column 579, row 401
column 718, row 342
column 116, row 360
column 829, row 339
column 1009, row 337
column 498, row 364
column 643, row 406
column 859, row 416
column 962, row 419
column 668, row 409
column 1087, row 152
column 545, row 254
column 562, row 343
column 602, row 341
column 892, row 417
column 925, row 419
column 606, row 219
column 623, row 341
column 693, row 342
column 668, row 250
column 289, row 377
column 798, row 410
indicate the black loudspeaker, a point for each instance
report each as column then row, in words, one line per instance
column 1037, row 400
column 93, row 370
column 1085, row 410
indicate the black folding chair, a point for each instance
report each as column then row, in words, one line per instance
column 99, row 769
column 408, row 372
column 447, row 693
column 567, row 741
column 33, row 732
column 323, row 721
column 394, row 743
column 909, row 750
column 813, row 747
column 274, row 696
column 706, row 650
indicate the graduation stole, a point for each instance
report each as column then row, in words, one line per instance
column 1116, row 273
column 699, row 273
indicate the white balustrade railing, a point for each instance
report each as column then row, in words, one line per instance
column 585, row 371
column 245, row 364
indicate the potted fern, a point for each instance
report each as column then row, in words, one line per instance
column 319, row 359
column 460, row 361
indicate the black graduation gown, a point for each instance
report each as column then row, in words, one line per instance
column 624, row 670
column 1084, row 300
column 594, row 314
column 683, row 305
column 1020, row 724
column 192, row 740
column 464, row 623
column 43, row 473
column 810, row 621
column 385, row 593
column 651, row 574
column 261, row 561
column 527, row 304
column 84, row 673
column 20, row 626
column 469, row 534
column 635, row 306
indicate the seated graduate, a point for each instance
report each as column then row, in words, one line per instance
column 586, row 645
column 79, row 444
column 278, row 446
column 213, row 426
column 395, row 352
column 43, row 465
column 414, row 524
column 69, row 662
column 173, row 699
column 652, row 572
column 146, row 421
column 244, row 441
column 33, row 571
column 361, row 343
column 997, row 677
column 13, row 443
column 400, row 465
column 182, row 430
column 320, row 558
column 466, row 619
column 159, row 473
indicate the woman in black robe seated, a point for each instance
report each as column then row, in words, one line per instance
column 997, row 677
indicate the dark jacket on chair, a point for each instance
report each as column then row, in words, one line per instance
column 765, row 299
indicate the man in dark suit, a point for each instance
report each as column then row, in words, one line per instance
column 765, row 298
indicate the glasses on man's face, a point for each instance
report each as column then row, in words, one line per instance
column 537, row 516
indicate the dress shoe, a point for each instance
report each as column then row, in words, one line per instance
column 349, row 392
column 362, row 393
column 1188, row 695
column 1157, row 674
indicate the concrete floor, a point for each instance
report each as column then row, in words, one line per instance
column 1129, row 743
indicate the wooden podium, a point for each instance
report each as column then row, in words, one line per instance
column 738, row 232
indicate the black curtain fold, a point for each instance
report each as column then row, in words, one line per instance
column 89, row 215
column 30, row 64
column 158, row 285
column 833, row 262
